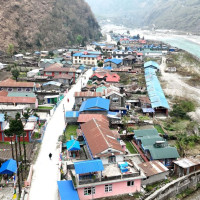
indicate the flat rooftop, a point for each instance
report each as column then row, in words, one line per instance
column 114, row 170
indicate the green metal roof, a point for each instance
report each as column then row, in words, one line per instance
column 163, row 152
column 145, row 132
column 101, row 89
column 150, row 140
column 21, row 94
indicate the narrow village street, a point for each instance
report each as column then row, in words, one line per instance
column 174, row 85
column 46, row 171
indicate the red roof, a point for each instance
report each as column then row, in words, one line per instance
column 63, row 76
column 4, row 93
column 13, row 83
column 28, row 100
column 142, row 41
column 110, row 77
column 115, row 78
column 139, row 53
column 100, row 138
column 87, row 117
column 57, row 67
column 88, row 94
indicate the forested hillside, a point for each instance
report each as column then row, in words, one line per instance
column 45, row 23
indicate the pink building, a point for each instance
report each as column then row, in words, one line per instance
column 110, row 189
column 94, row 180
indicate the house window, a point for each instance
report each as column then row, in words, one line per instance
column 130, row 183
column 112, row 159
column 92, row 58
column 115, row 99
column 48, row 73
column 28, row 89
column 1, row 89
column 56, row 73
column 19, row 89
column 10, row 89
column 108, row 188
column 89, row 191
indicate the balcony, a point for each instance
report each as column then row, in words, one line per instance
column 110, row 173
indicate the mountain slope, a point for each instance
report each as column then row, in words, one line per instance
column 45, row 23
column 172, row 14
column 168, row 14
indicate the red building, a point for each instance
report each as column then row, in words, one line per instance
column 28, row 129
column 58, row 69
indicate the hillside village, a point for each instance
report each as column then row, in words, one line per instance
column 123, row 136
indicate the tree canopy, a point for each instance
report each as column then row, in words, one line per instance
column 15, row 73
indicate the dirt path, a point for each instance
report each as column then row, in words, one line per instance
column 174, row 85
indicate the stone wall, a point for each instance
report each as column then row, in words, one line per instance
column 176, row 187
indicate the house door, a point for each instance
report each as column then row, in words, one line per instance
column 112, row 159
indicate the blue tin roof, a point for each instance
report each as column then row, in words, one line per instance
column 151, row 63
column 9, row 167
column 154, row 89
column 148, row 110
column 107, row 68
column 98, row 44
column 67, row 191
column 94, row 68
column 2, row 118
column 95, row 104
column 114, row 60
column 89, row 56
column 88, row 166
column 69, row 114
column 78, row 54
column 73, row 145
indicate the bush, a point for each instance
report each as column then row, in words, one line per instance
column 181, row 109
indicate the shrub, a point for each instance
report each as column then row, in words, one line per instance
column 181, row 109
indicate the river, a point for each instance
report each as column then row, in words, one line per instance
column 189, row 43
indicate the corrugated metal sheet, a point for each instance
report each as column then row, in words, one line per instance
column 114, row 60
column 145, row 132
column 148, row 110
column 70, row 114
column 88, row 166
column 67, row 191
column 95, row 104
column 9, row 167
column 73, row 145
column 163, row 153
column 151, row 63
column 2, row 119
column 155, row 92
column 153, row 167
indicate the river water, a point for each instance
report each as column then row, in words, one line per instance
column 189, row 43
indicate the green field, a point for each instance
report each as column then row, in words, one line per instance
column 130, row 147
column 159, row 129
column 70, row 130
column 44, row 108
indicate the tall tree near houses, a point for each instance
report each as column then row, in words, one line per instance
column 10, row 134
column 26, row 115
column 15, row 73
column 12, row 129
column 19, row 129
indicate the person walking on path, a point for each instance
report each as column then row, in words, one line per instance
column 50, row 156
